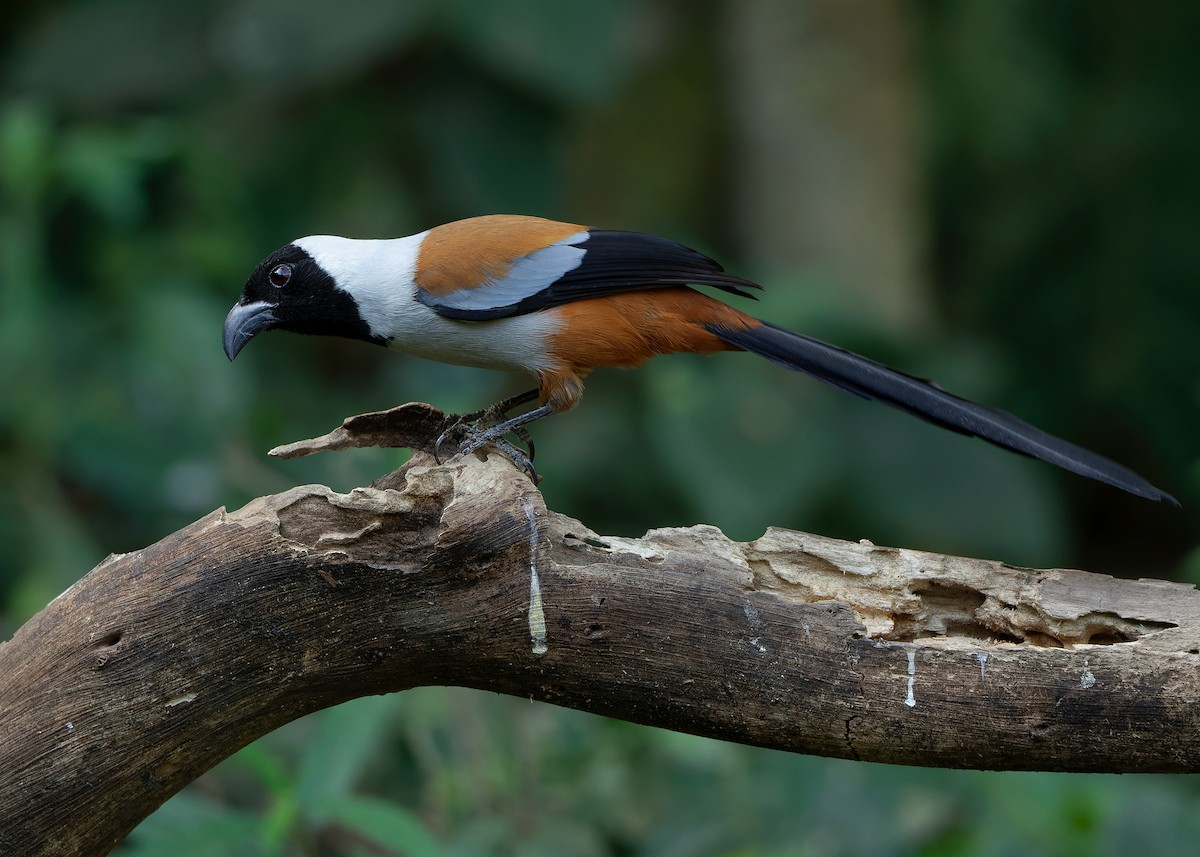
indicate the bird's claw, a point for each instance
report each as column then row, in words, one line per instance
column 471, row 438
column 437, row 444
column 486, row 438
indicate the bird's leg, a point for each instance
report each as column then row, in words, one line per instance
column 480, row 437
column 496, row 412
column 476, row 438
column 490, row 415
column 481, row 428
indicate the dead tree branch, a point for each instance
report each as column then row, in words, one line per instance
column 162, row 662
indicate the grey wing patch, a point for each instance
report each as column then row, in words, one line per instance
column 528, row 276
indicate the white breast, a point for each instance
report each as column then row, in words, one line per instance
column 518, row 343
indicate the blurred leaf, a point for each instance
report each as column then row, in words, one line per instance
column 265, row 767
column 25, row 149
column 346, row 742
column 393, row 827
column 191, row 826
column 279, row 823
column 569, row 50
column 106, row 166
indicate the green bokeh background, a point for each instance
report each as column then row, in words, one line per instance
column 151, row 153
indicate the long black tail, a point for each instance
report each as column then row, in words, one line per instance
column 871, row 380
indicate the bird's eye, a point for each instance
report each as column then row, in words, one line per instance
column 280, row 275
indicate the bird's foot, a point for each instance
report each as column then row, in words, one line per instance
column 471, row 432
column 471, row 426
column 470, row 436
column 496, row 413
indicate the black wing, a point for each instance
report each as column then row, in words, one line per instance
column 613, row 262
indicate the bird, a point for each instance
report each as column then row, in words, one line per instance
column 557, row 300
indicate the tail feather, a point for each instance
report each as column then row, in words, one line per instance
column 870, row 380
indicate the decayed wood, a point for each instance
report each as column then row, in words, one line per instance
column 161, row 662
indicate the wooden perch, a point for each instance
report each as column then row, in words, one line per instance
column 162, row 662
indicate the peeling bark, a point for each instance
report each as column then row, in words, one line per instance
column 162, row 662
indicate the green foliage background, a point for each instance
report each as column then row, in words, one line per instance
column 151, row 153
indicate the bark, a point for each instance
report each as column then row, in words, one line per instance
column 162, row 662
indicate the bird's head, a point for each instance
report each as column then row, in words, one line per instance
column 292, row 290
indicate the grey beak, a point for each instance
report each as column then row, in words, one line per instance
column 244, row 322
